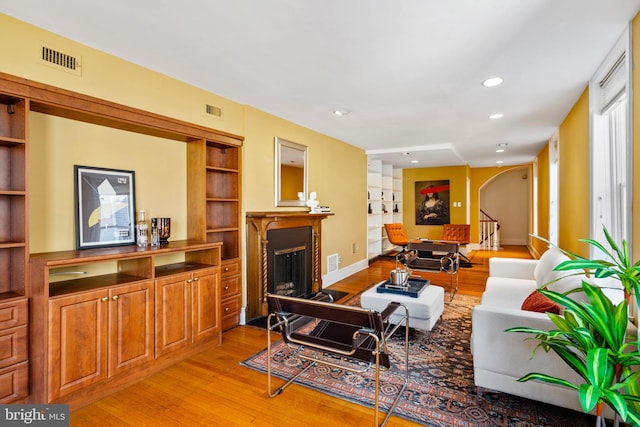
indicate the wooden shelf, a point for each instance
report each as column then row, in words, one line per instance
column 5, row 296
column 177, row 268
column 91, row 283
column 222, row 157
column 223, row 170
column 6, row 141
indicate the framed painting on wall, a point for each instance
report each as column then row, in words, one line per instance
column 432, row 202
column 105, row 207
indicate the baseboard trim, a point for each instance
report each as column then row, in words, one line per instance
column 335, row 276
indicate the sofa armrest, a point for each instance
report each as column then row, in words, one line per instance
column 516, row 268
column 511, row 353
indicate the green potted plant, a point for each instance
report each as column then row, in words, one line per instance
column 618, row 265
column 591, row 336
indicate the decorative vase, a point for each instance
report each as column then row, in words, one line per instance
column 163, row 225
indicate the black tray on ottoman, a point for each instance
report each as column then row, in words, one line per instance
column 413, row 288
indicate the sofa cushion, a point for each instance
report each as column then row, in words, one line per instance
column 509, row 285
column 568, row 282
column 539, row 303
column 543, row 272
column 508, row 293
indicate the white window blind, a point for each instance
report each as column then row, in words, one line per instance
column 611, row 147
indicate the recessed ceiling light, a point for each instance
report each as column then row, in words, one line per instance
column 500, row 150
column 415, row 161
column 496, row 116
column 406, row 153
column 499, row 162
column 493, row 81
column 341, row 112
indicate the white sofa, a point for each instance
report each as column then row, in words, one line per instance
column 500, row 357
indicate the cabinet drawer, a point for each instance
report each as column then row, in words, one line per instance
column 230, row 287
column 230, row 312
column 230, row 267
column 14, row 382
column 13, row 345
column 14, row 313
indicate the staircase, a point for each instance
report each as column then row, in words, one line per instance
column 489, row 232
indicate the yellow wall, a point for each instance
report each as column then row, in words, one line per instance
column 337, row 171
column 543, row 201
column 573, row 178
column 457, row 176
column 57, row 144
column 111, row 78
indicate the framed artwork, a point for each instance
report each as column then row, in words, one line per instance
column 432, row 202
column 105, row 207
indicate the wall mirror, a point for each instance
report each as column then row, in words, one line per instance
column 291, row 173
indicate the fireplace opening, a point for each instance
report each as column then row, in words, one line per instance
column 289, row 262
column 289, row 272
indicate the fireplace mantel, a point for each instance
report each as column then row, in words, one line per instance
column 258, row 224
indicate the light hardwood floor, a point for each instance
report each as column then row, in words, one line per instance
column 212, row 389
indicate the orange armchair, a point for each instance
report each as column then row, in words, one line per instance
column 396, row 235
column 460, row 233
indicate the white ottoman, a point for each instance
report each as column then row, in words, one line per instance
column 424, row 311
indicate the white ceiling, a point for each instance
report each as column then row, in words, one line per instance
column 409, row 71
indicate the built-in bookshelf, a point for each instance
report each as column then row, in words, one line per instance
column 14, row 251
column 384, row 193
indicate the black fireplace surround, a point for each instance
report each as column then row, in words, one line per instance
column 289, row 261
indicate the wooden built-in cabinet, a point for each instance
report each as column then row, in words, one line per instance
column 118, row 309
column 215, row 213
column 93, row 312
column 14, row 312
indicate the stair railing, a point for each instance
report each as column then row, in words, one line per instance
column 489, row 232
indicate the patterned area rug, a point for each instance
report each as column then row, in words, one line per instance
column 441, row 392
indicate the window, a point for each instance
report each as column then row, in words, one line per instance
column 611, row 145
column 553, row 189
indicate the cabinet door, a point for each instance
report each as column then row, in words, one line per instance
column 77, row 341
column 173, row 313
column 130, row 326
column 206, row 303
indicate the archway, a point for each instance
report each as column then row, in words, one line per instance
column 506, row 198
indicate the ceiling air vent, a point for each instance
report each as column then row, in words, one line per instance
column 60, row 60
column 213, row 110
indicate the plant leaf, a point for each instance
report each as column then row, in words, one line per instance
column 589, row 396
column 547, row 379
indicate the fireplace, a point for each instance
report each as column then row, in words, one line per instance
column 289, row 261
column 283, row 257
